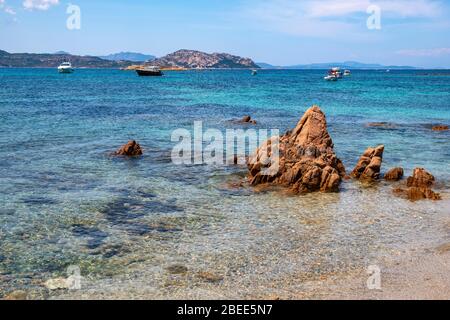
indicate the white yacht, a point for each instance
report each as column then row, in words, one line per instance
column 347, row 73
column 65, row 67
column 331, row 77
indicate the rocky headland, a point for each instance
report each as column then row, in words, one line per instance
column 192, row 59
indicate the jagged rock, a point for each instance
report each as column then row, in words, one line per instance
column 394, row 174
column 131, row 149
column 419, row 186
column 306, row 159
column 420, row 178
column 369, row 165
column 439, row 128
column 416, row 193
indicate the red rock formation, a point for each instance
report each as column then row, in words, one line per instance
column 420, row 178
column 415, row 193
column 439, row 128
column 419, row 186
column 131, row 149
column 369, row 165
column 307, row 161
column 394, row 174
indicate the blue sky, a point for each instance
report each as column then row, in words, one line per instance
column 281, row 32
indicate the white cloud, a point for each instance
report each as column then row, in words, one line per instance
column 10, row 11
column 425, row 52
column 292, row 17
column 328, row 18
column 399, row 8
column 39, row 4
column 6, row 8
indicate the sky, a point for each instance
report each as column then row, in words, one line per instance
column 279, row 32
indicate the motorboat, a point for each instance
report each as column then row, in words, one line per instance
column 347, row 73
column 254, row 72
column 336, row 71
column 65, row 67
column 331, row 77
column 149, row 71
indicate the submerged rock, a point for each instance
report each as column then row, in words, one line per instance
column 16, row 295
column 439, row 128
column 444, row 248
column 177, row 269
column 247, row 119
column 419, row 186
column 209, row 277
column 306, row 160
column 131, row 149
column 394, row 174
column 369, row 165
column 57, row 284
column 381, row 125
column 416, row 193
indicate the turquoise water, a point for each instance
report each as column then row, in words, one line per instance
column 67, row 201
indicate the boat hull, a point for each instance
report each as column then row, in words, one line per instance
column 149, row 73
column 65, row 70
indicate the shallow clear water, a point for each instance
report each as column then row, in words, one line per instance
column 66, row 201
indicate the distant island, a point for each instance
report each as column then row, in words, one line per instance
column 179, row 60
column 328, row 65
column 192, row 59
column 129, row 56
column 53, row 60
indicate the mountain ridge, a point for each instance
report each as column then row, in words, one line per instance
column 49, row 60
column 343, row 65
column 128, row 56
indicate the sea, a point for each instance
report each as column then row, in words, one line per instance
column 148, row 228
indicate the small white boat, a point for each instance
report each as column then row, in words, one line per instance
column 331, row 77
column 65, row 67
column 347, row 73
column 254, row 72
